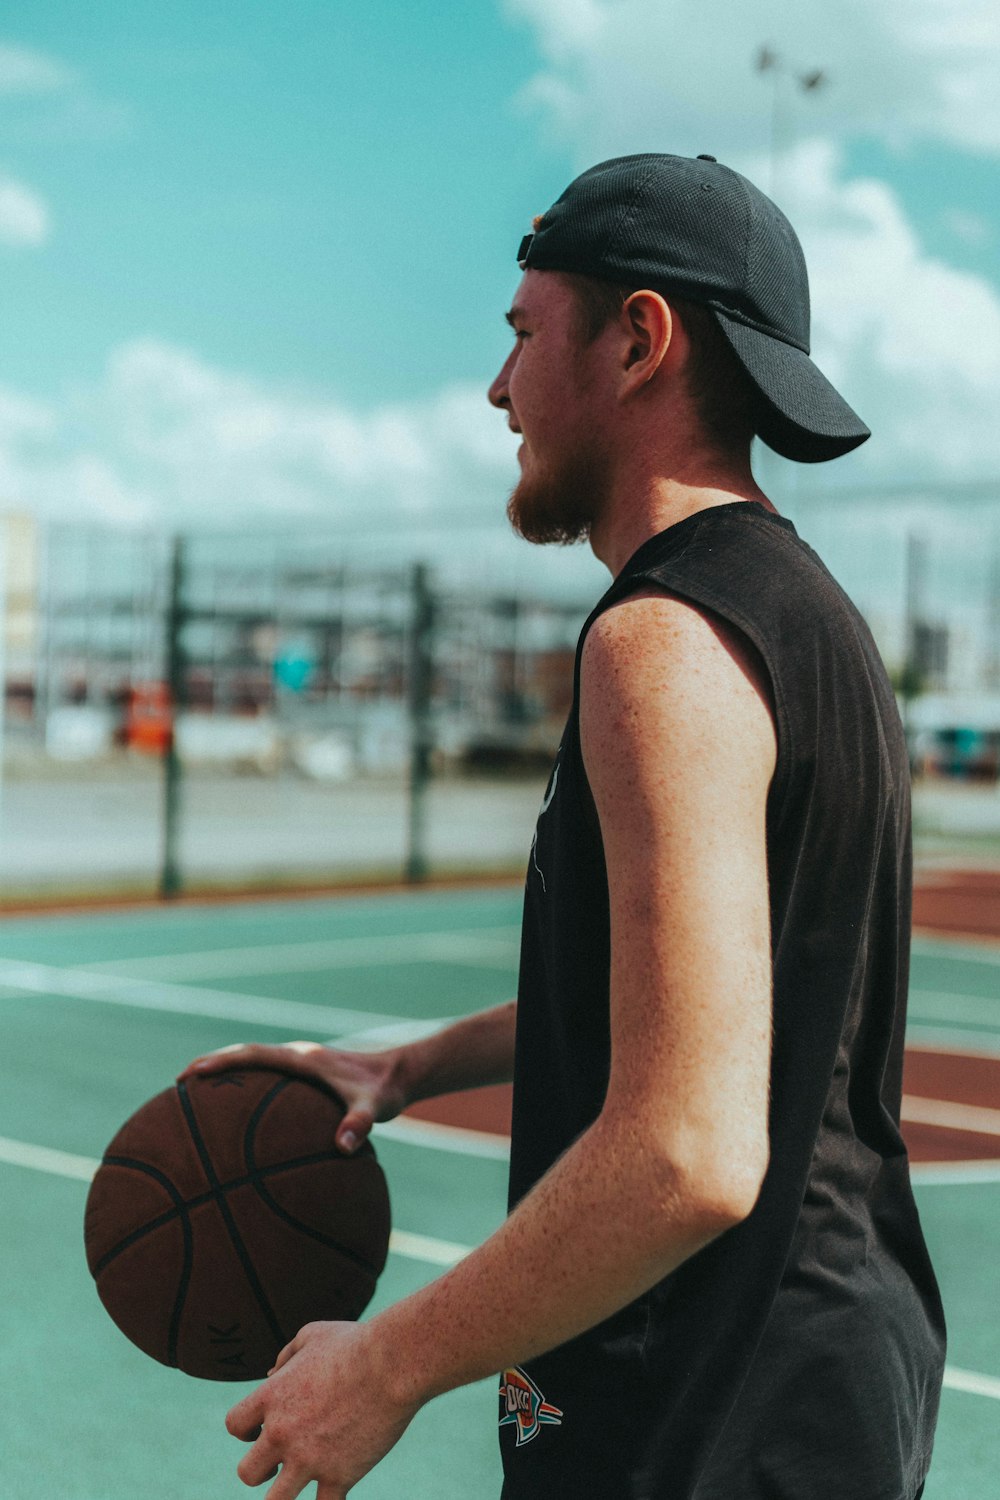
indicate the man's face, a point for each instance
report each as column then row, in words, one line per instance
column 550, row 386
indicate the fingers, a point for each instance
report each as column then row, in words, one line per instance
column 285, row 1057
column 354, row 1128
column 291, row 1482
column 244, row 1420
column 287, row 1353
column 351, row 1078
column 260, row 1464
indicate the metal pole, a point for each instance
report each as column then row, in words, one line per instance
column 421, row 678
column 769, row 61
column 170, row 870
column 781, row 137
column 991, row 674
column 4, row 535
column 916, row 559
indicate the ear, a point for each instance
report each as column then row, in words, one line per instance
column 654, row 339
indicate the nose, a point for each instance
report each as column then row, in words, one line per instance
column 498, row 394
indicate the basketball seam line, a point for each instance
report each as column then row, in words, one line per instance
column 234, row 1234
column 314, row 1234
column 187, row 1206
column 272, row 1203
column 184, row 1280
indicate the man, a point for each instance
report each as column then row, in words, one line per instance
column 712, row 1284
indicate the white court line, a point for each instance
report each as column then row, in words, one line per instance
column 420, row 1247
column 82, row 1168
column 44, row 1159
column 486, row 947
column 412, row 1132
column 970, row 1381
column 955, row 1173
column 144, row 994
column 950, row 1116
column 379, row 1038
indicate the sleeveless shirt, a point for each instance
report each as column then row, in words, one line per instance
column 798, row 1356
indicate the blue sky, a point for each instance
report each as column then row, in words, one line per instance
column 254, row 258
column 322, row 193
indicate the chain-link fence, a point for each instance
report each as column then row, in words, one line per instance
column 254, row 709
column 183, row 712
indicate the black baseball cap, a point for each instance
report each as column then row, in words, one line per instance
column 699, row 230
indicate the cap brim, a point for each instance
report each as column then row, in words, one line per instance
column 802, row 416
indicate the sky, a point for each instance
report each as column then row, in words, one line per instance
column 254, row 259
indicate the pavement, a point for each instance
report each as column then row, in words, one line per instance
column 75, row 830
column 89, row 832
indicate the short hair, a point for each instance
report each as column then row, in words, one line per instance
column 725, row 399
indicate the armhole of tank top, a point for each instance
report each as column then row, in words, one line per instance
column 706, row 598
column 619, row 589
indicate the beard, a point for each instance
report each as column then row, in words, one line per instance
column 561, row 505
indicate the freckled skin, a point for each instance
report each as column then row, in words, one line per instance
column 679, row 745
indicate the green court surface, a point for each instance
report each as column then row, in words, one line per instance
column 100, row 1011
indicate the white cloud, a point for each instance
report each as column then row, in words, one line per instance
column 163, row 436
column 680, row 73
column 46, row 100
column 164, row 439
column 25, row 71
column 24, row 217
column 913, row 342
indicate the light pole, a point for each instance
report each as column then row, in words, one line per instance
column 808, row 81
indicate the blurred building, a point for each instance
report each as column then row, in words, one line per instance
column 279, row 630
column 19, row 577
column 274, row 632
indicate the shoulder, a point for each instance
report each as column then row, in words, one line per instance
column 656, row 667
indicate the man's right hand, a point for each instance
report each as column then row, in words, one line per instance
column 369, row 1083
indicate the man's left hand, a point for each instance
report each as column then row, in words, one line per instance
column 325, row 1413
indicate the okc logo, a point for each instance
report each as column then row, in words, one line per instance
column 523, row 1406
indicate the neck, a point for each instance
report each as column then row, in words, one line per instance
column 641, row 506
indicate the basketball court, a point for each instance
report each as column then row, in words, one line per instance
column 102, row 1009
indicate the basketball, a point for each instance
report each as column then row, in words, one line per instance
column 222, row 1218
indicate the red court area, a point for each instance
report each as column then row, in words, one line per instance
column 958, row 903
column 951, row 1108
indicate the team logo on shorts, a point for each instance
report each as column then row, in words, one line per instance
column 523, row 1406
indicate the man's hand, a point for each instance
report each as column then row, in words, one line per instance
column 326, row 1413
column 369, row 1083
column 377, row 1086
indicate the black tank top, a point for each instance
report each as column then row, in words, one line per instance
column 799, row 1356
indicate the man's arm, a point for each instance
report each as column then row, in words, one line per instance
column 474, row 1051
column 680, row 748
